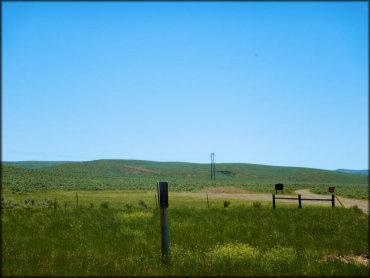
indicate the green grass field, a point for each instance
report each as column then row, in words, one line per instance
column 46, row 239
column 115, row 229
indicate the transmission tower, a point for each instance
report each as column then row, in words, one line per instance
column 213, row 168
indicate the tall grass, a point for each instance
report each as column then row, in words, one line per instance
column 238, row 240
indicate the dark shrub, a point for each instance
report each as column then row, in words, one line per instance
column 256, row 204
column 9, row 203
column 29, row 202
column 226, row 204
column 52, row 204
column 104, row 204
column 142, row 204
column 356, row 210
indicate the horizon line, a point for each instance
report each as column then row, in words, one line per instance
column 179, row 162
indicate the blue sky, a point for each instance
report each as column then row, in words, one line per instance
column 276, row 83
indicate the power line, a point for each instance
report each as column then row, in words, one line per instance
column 213, row 168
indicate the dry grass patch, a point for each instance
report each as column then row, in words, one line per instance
column 361, row 258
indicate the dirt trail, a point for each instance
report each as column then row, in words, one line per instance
column 364, row 205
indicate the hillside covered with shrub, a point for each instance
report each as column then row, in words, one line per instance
column 139, row 174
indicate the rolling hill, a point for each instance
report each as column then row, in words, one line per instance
column 361, row 172
column 140, row 174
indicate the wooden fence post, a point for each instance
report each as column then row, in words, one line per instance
column 299, row 201
column 332, row 201
column 207, row 200
column 273, row 200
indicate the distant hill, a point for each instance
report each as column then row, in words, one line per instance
column 362, row 172
column 141, row 174
column 34, row 164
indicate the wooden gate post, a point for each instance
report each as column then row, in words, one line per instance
column 299, row 201
column 332, row 201
column 163, row 204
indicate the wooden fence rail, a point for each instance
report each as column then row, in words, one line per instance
column 332, row 200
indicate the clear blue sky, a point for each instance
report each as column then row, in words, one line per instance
column 273, row 83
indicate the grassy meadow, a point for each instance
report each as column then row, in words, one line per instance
column 117, row 233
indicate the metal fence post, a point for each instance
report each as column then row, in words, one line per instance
column 273, row 200
column 163, row 204
column 299, row 201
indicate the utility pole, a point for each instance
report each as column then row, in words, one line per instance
column 213, row 168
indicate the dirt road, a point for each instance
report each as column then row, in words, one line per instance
column 364, row 205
